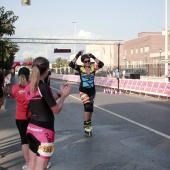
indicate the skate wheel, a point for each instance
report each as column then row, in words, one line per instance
column 88, row 134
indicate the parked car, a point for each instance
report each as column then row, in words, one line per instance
column 140, row 72
column 128, row 72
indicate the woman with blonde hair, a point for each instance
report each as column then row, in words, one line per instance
column 22, row 115
column 42, row 104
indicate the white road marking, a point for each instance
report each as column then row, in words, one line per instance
column 124, row 118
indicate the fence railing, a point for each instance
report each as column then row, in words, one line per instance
column 157, row 88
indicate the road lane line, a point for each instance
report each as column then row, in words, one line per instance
column 124, row 118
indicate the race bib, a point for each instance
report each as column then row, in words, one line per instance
column 46, row 149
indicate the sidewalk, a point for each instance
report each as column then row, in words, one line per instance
column 10, row 145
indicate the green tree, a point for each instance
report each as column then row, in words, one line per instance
column 29, row 59
column 7, row 20
column 7, row 49
column 59, row 62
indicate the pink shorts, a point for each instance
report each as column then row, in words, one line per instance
column 41, row 140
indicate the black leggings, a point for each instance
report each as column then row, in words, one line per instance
column 22, row 127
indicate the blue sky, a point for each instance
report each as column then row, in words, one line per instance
column 109, row 19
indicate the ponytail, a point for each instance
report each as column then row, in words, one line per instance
column 35, row 78
column 22, row 81
column 40, row 65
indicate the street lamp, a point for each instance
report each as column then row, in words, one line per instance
column 160, row 51
column 74, row 35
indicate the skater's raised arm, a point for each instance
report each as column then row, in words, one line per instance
column 72, row 64
column 99, row 63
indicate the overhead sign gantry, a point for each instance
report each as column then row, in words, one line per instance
column 63, row 41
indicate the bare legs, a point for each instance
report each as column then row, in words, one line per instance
column 36, row 163
column 87, row 116
column 25, row 152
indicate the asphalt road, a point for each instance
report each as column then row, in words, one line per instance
column 130, row 132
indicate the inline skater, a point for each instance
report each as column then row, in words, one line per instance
column 87, row 86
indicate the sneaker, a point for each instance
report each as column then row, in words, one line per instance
column 49, row 165
column 24, row 167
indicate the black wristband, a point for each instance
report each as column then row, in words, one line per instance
column 78, row 55
column 92, row 56
column 59, row 95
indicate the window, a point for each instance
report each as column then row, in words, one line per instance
column 155, row 63
column 146, row 49
column 128, row 64
column 142, row 63
column 141, row 49
column 134, row 64
column 125, row 52
column 136, row 50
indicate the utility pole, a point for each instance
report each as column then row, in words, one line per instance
column 166, row 37
column 118, row 65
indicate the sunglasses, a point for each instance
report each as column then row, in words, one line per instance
column 88, row 61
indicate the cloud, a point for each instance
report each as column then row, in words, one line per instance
column 86, row 35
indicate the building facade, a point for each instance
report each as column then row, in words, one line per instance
column 146, row 52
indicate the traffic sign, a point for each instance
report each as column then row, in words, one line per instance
column 56, row 50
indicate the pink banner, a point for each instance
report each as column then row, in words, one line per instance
column 161, row 88
column 121, row 83
column 108, row 82
column 125, row 83
column 97, row 80
column 143, row 85
column 128, row 84
column 102, row 81
column 138, row 85
column 134, row 83
column 167, row 89
column 154, row 87
column 157, row 88
column 148, row 86
column 113, row 83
